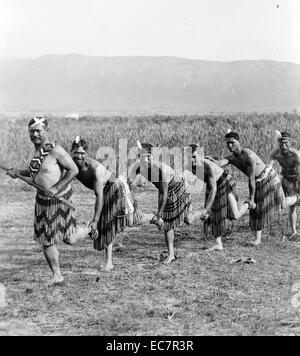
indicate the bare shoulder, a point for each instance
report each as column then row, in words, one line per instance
column 93, row 164
column 59, row 152
column 167, row 172
column 97, row 168
column 275, row 153
column 250, row 154
column 209, row 165
column 230, row 157
column 295, row 152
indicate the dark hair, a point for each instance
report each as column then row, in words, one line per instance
column 285, row 135
column 233, row 134
column 81, row 143
column 194, row 147
column 33, row 121
column 147, row 147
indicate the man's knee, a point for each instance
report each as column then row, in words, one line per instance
column 69, row 241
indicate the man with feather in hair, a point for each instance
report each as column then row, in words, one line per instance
column 265, row 190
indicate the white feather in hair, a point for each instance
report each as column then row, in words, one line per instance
column 278, row 134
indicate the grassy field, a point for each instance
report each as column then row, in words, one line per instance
column 257, row 131
column 201, row 293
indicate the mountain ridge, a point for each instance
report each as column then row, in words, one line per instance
column 81, row 83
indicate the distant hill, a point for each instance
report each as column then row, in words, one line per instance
column 76, row 83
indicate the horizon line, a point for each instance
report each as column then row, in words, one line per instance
column 7, row 58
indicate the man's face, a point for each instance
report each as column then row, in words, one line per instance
column 38, row 134
column 145, row 158
column 232, row 144
column 79, row 155
column 284, row 146
column 194, row 158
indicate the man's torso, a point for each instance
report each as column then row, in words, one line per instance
column 49, row 173
column 288, row 162
column 88, row 176
column 242, row 162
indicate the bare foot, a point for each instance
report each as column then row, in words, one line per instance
column 145, row 220
column 56, row 280
column 169, row 260
column 80, row 234
column 215, row 247
column 108, row 267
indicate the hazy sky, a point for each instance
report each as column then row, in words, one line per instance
column 203, row 29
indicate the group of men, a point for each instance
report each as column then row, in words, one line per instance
column 53, row 169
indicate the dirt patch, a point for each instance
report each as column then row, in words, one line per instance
column 200, row 294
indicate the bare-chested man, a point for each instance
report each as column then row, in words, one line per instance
column 265, row 191
column 220, row 198
column 289, row 160
column 174, row 198
column 52, row 169
column 113, row 206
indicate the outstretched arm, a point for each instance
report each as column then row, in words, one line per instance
column 221, row 163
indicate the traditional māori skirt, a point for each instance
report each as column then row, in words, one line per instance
column 178, row 203
column 53, row 220
column 269, row 197
column 220, row 210
column 113, row 215
column 290, row 185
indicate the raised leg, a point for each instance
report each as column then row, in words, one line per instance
column 236, row 211
column 80, row 234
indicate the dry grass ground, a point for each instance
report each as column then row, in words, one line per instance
column 200, row 294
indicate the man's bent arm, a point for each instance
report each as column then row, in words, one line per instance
column 297, row 169
column 221, row 163
column 65, row 162
column 251, row 177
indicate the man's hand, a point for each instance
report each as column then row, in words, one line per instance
column 93, row 225
column 158, row 221
column 93, row 228
column 53, row 190
column 251, row 203
column 205, row 215
column 12, row 173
